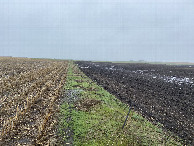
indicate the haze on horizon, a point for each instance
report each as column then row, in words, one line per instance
column 108, row 30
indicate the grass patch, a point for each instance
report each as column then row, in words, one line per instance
column 97, row 117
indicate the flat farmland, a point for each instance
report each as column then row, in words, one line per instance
column 161, row 93
column 30, row 91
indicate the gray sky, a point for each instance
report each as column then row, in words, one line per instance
column 151, row 30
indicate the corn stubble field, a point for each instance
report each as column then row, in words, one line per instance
column 30, row 89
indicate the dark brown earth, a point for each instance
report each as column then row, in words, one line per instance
column 162, row 93
column 86, row 104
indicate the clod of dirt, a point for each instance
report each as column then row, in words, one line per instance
column 86, row 104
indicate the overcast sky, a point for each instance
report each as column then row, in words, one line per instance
column 151, row 30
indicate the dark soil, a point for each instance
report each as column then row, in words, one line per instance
column 162, row 93
column 86, row 104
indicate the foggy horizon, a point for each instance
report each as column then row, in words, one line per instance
column 98, row 30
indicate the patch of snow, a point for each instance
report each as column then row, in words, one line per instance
column 85, row 67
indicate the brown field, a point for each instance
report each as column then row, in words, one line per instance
column 29, row 93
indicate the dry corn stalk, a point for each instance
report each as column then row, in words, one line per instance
column 44, row 83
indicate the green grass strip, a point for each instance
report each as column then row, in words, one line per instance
column 101, row 124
